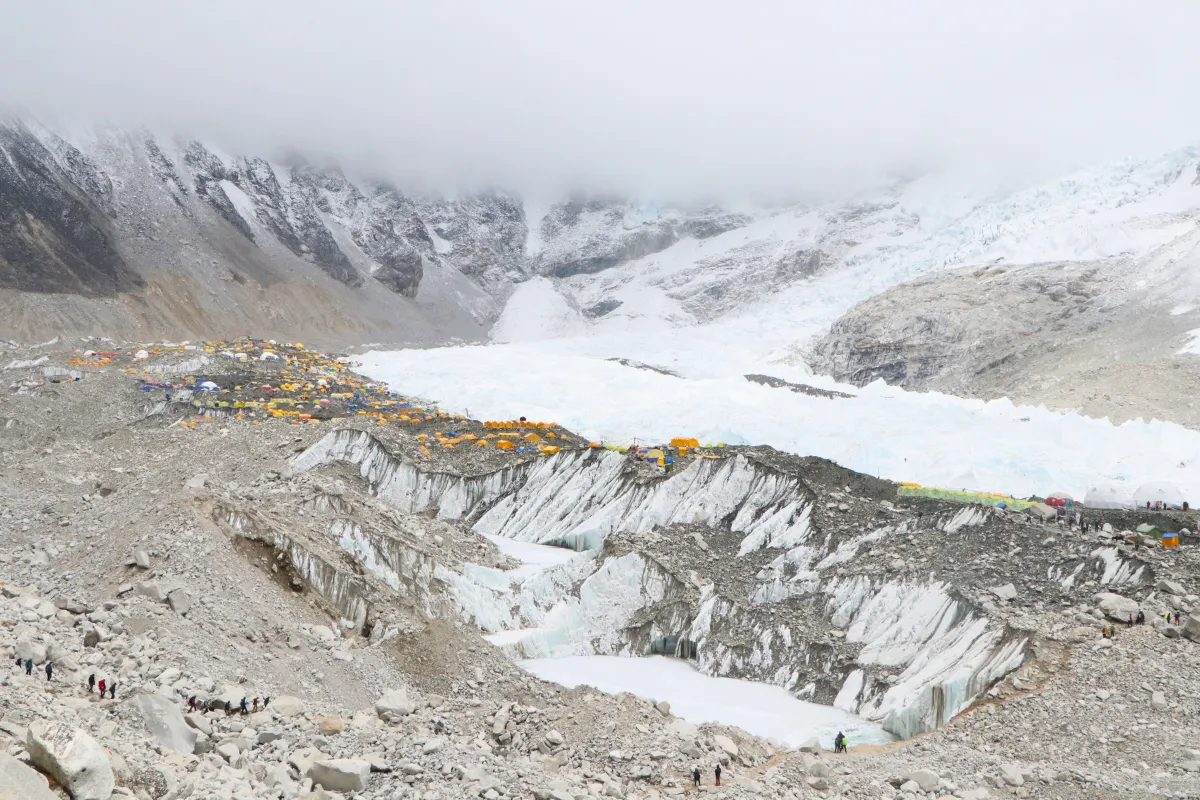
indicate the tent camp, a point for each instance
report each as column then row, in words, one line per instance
column 1162, row 493
column 1107, row 495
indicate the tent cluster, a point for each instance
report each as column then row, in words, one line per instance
column 294, row 384
column 527, row 443
column 1153, row 496
column 665, row 455
column 962, row 496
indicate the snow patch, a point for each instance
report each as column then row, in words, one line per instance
column 536, row 310
column 763, row 710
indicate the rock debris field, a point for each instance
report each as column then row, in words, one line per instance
column 179, row 548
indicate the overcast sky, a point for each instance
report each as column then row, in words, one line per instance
column 651, row 96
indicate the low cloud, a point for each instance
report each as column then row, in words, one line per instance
column 670, row 99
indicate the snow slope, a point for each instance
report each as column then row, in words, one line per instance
column 536, row 310
column 791, row 271
column 928, row 438
column 764, row 710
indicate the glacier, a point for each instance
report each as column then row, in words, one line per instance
column 593, row 599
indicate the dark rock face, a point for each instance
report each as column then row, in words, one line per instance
column 64, row 216
column 586, row 235
column 55, row 235
column 602, row 308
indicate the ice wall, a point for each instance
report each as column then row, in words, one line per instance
column 914, row 653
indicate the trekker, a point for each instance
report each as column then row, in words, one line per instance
column 192, row 703
column 112, row 691
column 696, row 776
column 1177, row 616
column 102, row 688
column 266, row 702
column 242, row 707
column 839, row 743
column 1141, row 617
column 49, row 670
column 19, row 662
column 91, row 682
column 717, row 772
column 255, row 705
column 1106, row 632
column 1131, row 619
column 29, row 666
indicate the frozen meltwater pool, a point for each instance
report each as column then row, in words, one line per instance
column 533, row 557
column 759, row 708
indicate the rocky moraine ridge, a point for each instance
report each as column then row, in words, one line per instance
column 348, row 570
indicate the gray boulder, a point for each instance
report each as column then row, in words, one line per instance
column 30, row 650
column 151, row 591
column 71, row 757
column 287, row 706
column 19, row 782
column 181, row 601
column 1011, row 774
column 1005, row 592
column 142, row 559
column 166, row 724
column 1191, row 627
column 340, row 774
column 394, row 703
column 1116, row 607
column 926, row 779
column 1171, row 587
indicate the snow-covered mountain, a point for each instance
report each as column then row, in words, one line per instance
column 1073, row 292
column 131, row 234
column 1080, row 293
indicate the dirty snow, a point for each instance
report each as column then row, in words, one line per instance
column 764, row 710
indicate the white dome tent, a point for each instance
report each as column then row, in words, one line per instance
column 1108, row 496
column 1164, row 494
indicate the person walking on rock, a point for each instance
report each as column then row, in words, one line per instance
column 717, row 773
column 112, row 690
column 1141, row 617
column 91, row 683
column 266, row 702
column 1177, row 616
column 49, row 670
column 1131, row 620
column 29, row 666
column 103, row 687
column 254, row 705
column 242, row 707
column 696, row 776
column 839, row 743
column 192, row 703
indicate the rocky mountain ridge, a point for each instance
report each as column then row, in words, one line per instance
column 105, row 217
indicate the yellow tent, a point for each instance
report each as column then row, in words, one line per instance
column 504, row 444
column 655, row 453
column 680, row 441
column 532, row 437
